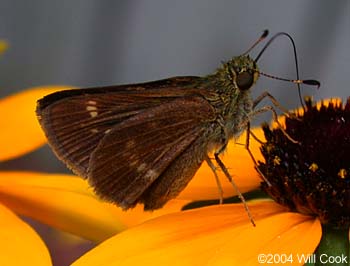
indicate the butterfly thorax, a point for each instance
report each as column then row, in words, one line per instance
column 230, row 86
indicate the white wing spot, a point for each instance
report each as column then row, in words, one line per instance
column 151, row 174
column 93, row 114
column 141, row 167
column 91, row 108
column 107, row 131
column 91, row 102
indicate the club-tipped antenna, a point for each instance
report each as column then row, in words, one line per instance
column 262, row 37
column 311, row 82
column 297, row 80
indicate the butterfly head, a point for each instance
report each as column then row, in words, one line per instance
column 242, row 71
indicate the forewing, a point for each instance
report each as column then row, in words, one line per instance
column 75, row 121
column 138, row 150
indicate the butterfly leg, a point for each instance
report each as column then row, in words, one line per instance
column 254, row 136
column 266, row 94
column 247, row 141
column 276, row 103
column 246, row 124
column 213, row 168
column 267, row 108
column 230, row 179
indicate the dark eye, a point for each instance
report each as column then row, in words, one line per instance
column 245, row 80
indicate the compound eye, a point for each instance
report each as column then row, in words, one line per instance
column 245, row 80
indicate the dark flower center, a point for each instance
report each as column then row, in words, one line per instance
column 313, row 176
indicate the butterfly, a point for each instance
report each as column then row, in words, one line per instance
column 143, row 143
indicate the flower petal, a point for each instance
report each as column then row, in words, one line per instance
column 20, row 244
column 20, row 131
column 282, row 118
column 275, row 235
column 67, row 203
column 3, row 46
column 240, row 165
column 138, row 215
column 191, row 237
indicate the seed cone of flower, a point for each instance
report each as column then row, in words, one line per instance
column 313, row 175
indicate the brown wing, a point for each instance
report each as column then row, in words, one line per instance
column 139, row 150
column 176, row 176
column 75, row 121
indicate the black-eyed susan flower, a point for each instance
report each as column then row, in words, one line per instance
column 311, row 177
column 309, row 181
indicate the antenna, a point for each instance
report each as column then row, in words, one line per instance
column 262, row 37
column 311, row 82
column 298, row 81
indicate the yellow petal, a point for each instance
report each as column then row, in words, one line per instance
column 20, row 131
column 282, row 119
column 20, row 245
column 64, row 202
column 192, row 237
column 276, row 234
column 138, row 215
column 3, row 46
column 240, row 165
column 67, row 203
